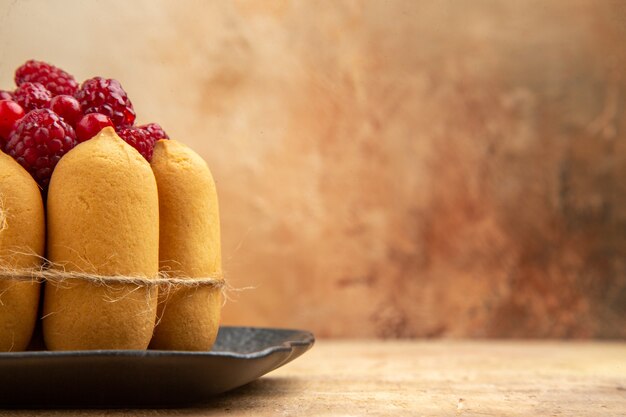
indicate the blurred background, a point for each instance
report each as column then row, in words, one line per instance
column 385, row 168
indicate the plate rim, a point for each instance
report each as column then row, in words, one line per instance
column 304, row 338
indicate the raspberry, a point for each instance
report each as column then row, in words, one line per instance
column 39, row 141
column 138, row 139
column 89, row 125
column 67, row 107
column 10, row 112
column 155, row 131
column 106, row 96
column 6, row 95
column 32, row 96
column 54, row 79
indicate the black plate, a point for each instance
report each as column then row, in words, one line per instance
column 131, row 378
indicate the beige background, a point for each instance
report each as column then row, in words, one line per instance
column 385, row 168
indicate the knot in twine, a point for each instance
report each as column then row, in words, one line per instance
column 61, row 276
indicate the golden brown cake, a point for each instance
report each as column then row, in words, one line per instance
column 102, row 219
column 22, row 238
column 189, row 246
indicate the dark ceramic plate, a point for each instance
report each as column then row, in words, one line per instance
column 130, row 378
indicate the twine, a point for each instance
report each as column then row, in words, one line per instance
column 59, row 276
column 57, row 273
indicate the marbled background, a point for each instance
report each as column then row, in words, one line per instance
column 385, row 168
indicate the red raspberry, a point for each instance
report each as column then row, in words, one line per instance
column 10, row 112
column 138, row 139
column 6, row 95
column 67, row 107
column 39, row 141
column 32, row 96
column 99, row 95
column 89, row 126
column 155, row 131
column 54, row 79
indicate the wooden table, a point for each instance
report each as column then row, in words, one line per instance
column 415, row 378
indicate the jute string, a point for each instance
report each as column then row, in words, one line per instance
column 60, row 276
column 168, row 282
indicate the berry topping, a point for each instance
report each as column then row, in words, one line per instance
column 155, row 131
column 39, row 141
column 89, row 126
column 6, row 95
column 106, row 96
column 32, row 96
column 67, row 107
column 10, row 112
column 138, row 139
column 54, row 79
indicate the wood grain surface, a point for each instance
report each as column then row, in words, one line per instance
column 355, row 378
